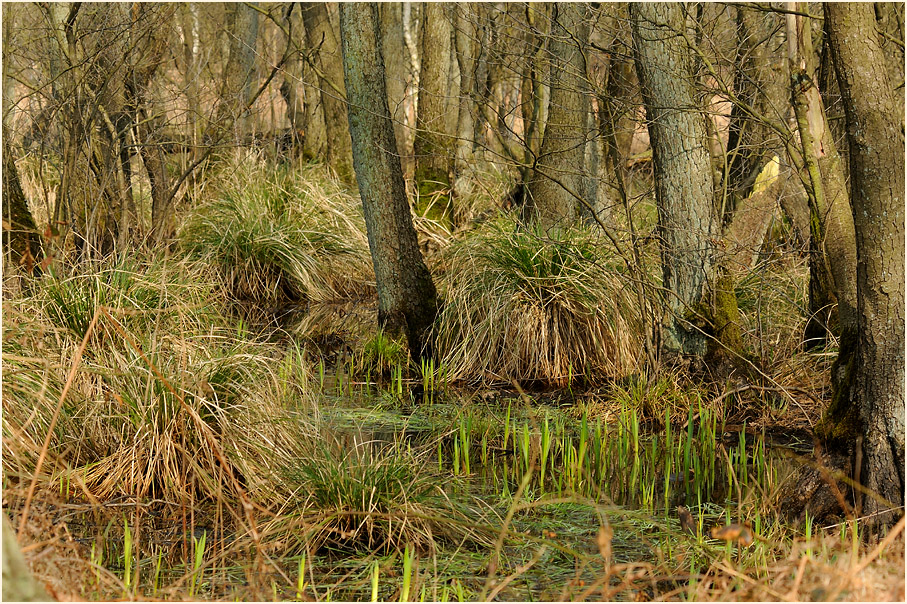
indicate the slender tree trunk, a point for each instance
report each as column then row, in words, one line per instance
column 292, row 90
column 832, row 244
column 434, row 144
column 465, row 37
column 687, row 222
column 759, row 84
column 22, row 243
column 320, row 35
column 398, row 71
column 558, row 177
column 407, row 300
column 876, row 145
column 239, row 70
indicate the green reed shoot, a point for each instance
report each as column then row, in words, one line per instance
column 546, row 446
column 158, row 561
column 809, row 535
column 465, row 438
column 375, row 571
column 198, row 557
column 408, row 556
column 524, row 446
column 300, row 578
column 127, row 556
column 507, row 425
column 97, row 560
column 456, row 455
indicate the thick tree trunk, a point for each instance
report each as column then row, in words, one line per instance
column 687, row 222
column 320, row 34
column 558, row 177
column 407, row 300
column 435, row 144
column 877, row 191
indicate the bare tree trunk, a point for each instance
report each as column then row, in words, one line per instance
column 760, row 85
column 329, row 68
column 832, row 245
column 465, row 37
column 292, row 90
column 434, row 144
column 407, row 300
column 21, row 240
column 877, row 191
column 239, row 70
column 558, row 177
column 687, row 222
column 398, row 71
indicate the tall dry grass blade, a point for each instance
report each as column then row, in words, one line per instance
column 53, row 422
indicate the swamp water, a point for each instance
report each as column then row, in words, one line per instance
column 545, row 490
column 553, row 480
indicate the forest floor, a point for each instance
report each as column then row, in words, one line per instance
column 190, row 426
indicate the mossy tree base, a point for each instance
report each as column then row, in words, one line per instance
column 840, row 424
column 433, row 196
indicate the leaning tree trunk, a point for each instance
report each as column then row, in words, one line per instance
column 877, row 192
column 407, row 300
column 687, row 222
column 558, row 178
column 320, row 35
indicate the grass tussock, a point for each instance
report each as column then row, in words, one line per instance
column 167, row 401
column 356, row 494
column 536, row 307
column 280, row 234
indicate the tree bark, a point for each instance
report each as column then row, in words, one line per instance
column 876, row 145
column 687, row 222
column 434, row 144
column 407, row 300
column 398, row 71
column 20, row 234
column 759, row 84
column 465, row 37
column 832, row 245
column 320, row 35
column 239, row 70
column 558, row 177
